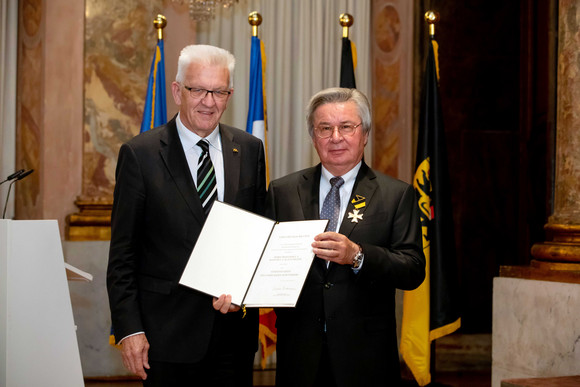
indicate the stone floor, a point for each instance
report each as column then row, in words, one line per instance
column 563, row 381
column 266, row 378
column 461, row 361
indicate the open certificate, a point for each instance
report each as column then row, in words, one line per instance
column 260, row 262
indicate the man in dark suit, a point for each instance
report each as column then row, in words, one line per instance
column 342, row 331
column 172, row 335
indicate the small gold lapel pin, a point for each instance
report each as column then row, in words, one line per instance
column 355, row 216
column 235, row 150
column 358, row 202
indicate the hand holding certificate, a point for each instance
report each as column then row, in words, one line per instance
column 259, row 262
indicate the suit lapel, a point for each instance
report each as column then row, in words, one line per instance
column 363, row 191
column 171, row 152
column 232, row 154
column 308, row 191
column 360, row 199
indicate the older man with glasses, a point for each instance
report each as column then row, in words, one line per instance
column 167, row 180
column 342, row 331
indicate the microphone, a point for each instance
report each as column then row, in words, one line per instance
column 18, row 175
column 24, row 174
column 13, row 176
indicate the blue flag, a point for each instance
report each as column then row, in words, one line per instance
column 256, row 123
column 155, row 111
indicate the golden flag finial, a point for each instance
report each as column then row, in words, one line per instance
column 346, row 20
column 159, row 23
column 255, row 19
column 432, row 17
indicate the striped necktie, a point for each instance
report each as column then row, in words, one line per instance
column 206, row 184
column 331, row 206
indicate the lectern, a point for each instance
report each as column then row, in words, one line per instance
column 38, row 344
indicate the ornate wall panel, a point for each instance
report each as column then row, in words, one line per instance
column 119, row 37
column 29, row 107
column 392, row 66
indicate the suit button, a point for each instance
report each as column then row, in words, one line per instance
column 327, row 285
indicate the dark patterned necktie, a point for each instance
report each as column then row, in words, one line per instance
column 206, row 184
column 331, row 206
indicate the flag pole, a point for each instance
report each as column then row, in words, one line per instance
column 160, row 23
column 346, row 20
column 432, row 17
column 255, row 19
column 257, row 125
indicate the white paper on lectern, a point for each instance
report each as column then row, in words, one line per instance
column 230, row 247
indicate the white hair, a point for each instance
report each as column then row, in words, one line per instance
column 206, row 55
column 338, row 95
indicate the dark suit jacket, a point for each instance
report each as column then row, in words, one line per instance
column 357, row 309
column 156, row 220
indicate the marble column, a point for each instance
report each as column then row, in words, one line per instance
column 561, row 251
column 49, row 108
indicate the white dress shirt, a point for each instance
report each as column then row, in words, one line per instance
column 192, row 151
column 345, row 192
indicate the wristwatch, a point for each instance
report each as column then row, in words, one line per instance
column 358, row 258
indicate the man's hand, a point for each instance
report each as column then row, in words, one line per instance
column 334, row 247
column 135, row 351
column 224, row 304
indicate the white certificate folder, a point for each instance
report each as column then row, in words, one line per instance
column 260, row 262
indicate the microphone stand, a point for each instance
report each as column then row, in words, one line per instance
column 13, row 176
column 19, row 175
column 7, row 196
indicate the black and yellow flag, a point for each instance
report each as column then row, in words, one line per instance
column 347, row 64
column 431, row 311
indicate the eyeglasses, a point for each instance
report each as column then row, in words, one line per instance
column 198, row 93
column 325, row 131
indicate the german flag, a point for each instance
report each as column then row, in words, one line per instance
column 431, row 311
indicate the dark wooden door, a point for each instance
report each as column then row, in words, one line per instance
column 497, row 86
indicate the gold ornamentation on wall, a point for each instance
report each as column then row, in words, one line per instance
column 391, row 66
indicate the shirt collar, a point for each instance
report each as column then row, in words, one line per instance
column 190, row 139
column 347, row 177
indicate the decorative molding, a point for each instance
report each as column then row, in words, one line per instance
column 562, row 244
column 92, row 223
column 544, row 271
